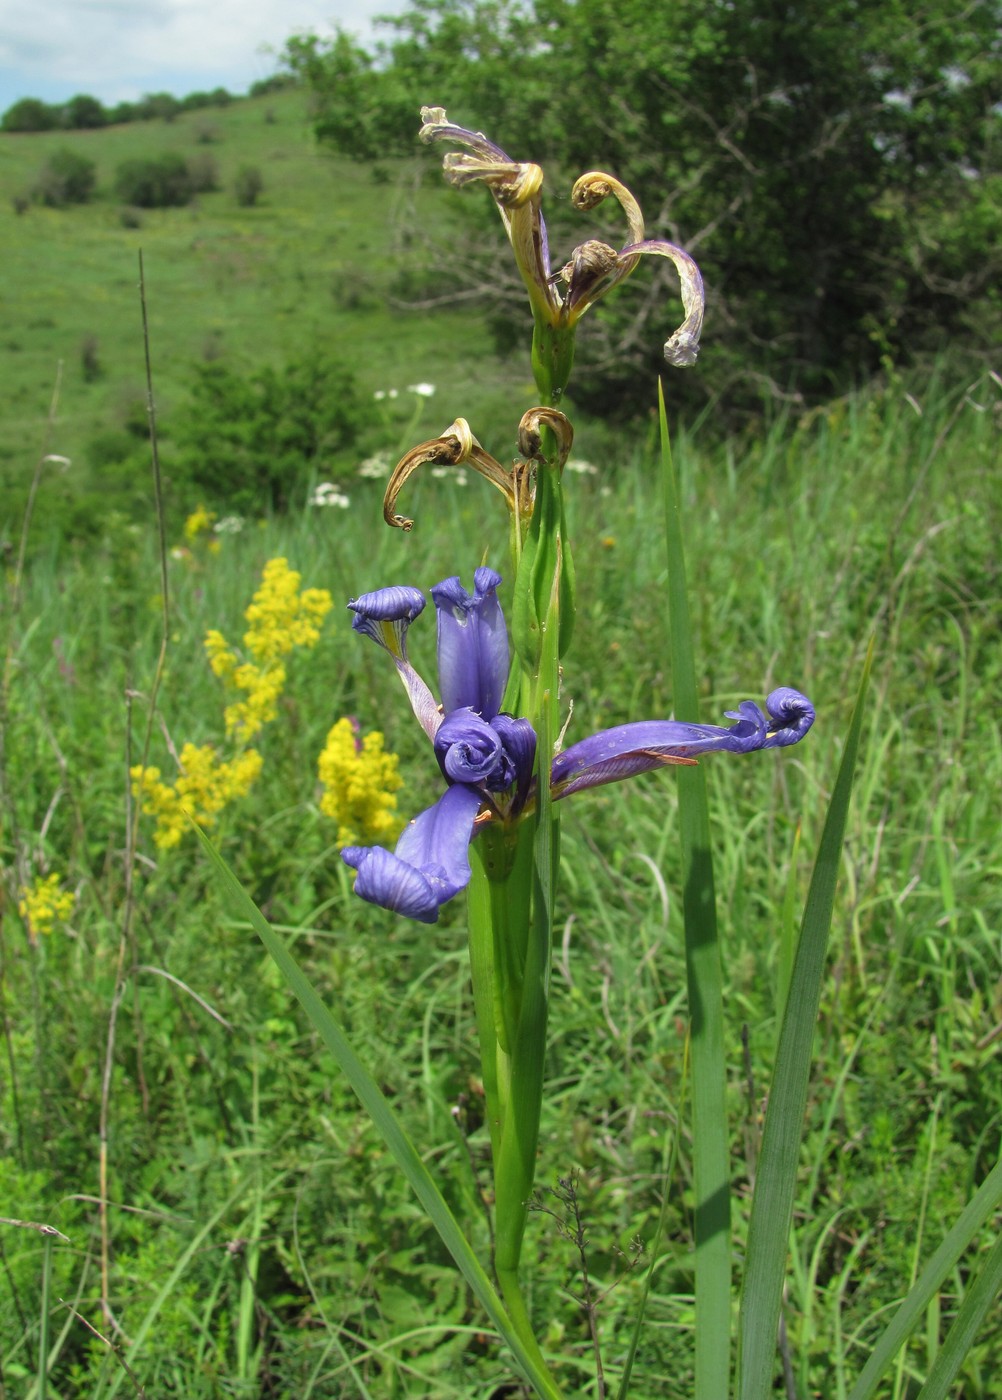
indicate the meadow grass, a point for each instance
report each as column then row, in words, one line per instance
column 314, row 267
column 262, row 1241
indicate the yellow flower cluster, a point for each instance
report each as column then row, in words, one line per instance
column 281, row 618
column 198, row 522
column 202, row 789
column 43, row 904
column 359, row 780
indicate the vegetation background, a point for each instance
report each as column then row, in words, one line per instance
column 260, row 1240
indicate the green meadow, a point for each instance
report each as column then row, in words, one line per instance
column 314, row 266
column 230, row 1223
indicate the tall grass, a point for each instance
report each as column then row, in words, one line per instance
column 262, row 1241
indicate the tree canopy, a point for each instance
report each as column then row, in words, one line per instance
column 832, row 164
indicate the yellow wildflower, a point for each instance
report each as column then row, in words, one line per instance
column 280, row 616
column 202, row 789
column 42, row 904
column 244, row 718
column 198, row 522
column 360, row 780
column 222, row 658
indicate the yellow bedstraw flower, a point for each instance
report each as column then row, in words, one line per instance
column 198, row 522
column 202, row 789
column 280, row 616
column 42, row 904
column 245, row 718
column 360, row 780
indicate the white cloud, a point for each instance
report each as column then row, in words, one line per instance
column 118, row 49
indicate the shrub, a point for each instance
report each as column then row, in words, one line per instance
column 156, row 182
column 66, row 178
column 131, row 218
column 90, row 359
column 204, row 173
column 248, row 186
column 248, row 442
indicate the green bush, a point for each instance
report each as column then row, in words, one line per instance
column 155, row 182
column 203, row 171
column 66, row 178
column 248, row 186
column 30, row 114
column 250, row 442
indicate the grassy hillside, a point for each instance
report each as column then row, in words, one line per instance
column 311, row 267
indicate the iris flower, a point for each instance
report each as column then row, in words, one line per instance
column 487, row 757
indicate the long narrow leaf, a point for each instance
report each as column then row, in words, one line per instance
column 776, row 1178
column 711, row 1153
column 978, row 1299
column 986, row 1200
column 385, row 1120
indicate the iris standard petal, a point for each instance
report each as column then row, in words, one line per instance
column 472, row 644
column 385, row 616
column 628, row 749
column 431, row 862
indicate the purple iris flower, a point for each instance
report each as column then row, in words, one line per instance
column 487, row 758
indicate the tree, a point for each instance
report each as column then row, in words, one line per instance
column 829, row 162
column 30, row 114
column 83, row 112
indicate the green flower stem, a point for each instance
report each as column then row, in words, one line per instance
column 552, row 359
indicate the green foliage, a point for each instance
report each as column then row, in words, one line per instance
column 203, row 173
column 829, row 166
column 247, row 441
column 83, row 113
column 879, row 512
column 29, row 114
column 248, row 185
column 157, row 182
column 67, row 178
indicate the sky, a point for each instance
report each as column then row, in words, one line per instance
column 116, row 50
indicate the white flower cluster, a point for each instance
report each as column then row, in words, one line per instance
column 375, row 467
column 327, row 494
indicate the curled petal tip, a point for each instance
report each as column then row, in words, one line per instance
column 399, row 603
column 791, row 715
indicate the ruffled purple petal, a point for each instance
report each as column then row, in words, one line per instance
column 431, row 862
column 472, row 644
column 469, row 750
column 385, row 616
column 628, row 749
column 518, row 739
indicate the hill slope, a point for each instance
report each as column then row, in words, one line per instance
column 311, row 267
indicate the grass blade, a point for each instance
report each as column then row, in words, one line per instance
column 776, row 1178
column 985, row 1201
column 977, row 1301
column 385, row 1120
column 711, row 1150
